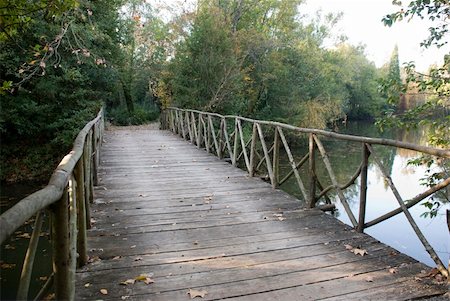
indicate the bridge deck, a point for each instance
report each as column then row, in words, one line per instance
column 190, row 221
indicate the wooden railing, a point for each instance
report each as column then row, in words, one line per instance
column 244, row 142
column 67, row 197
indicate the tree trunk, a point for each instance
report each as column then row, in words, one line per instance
column 127, row 93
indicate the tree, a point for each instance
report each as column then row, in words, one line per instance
column 256, row 58
column 58, row 69
column 435, row 111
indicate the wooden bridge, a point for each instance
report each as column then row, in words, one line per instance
column 170, row 221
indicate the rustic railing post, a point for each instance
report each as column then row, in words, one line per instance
column 82, row 216
column 25, row 277
column 73, row 236
column 189, row 125
column 276, row 158
column 266, row 153
column 207, row 132
column 95, row 162
column 243, row 145
column 252, row 151
column 236, row 141
column 183, row 131
column 200, row 130
column 221, row 143
column 87, row 178
column 227, row 139
column 312, row 172
column 363, row 189
column 61, row 248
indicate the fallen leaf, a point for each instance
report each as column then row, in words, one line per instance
column 7, row 265
column 128, row 281
column 369, row 279
column 348, row 247
column 196, row 293
column 361, row 252
column 10, row 247
column 393, row 270
column 116, row 257
column 277, row 214
column 87, row 285
column 93, row 259
column 146, row 278
column 24, row 235
column 133, row 246
column 104, row 291
column 281, row 219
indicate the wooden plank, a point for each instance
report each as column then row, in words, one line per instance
column 193, row 221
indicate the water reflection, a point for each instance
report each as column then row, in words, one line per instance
column 345, row 157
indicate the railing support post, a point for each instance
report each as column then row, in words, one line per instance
column 363, row 189
column 236, row 141
column 25, row 277
column 82, row 216
column 312, row 172
column 61, row 248
column 252, row 151
column 276, row 158
column 199, row 129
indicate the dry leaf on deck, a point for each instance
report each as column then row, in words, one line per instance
column 361, row 252
column 144, row 278
column 104, row 291
column 393, row 270
column 24, row 235
column 7, row 265
column 348, row 247
column 116, row 257
column 148, row 280
column 128, row 281
column 196, row 293
column 87, row 285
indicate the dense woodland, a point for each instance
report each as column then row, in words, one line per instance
column 60, row 61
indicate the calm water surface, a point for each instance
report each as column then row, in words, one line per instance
column 396, row 232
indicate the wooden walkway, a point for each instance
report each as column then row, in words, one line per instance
column 189, row 222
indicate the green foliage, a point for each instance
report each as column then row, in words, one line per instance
column 141, row 114
column 434, row 112
column 55, row 75
column 256, row 58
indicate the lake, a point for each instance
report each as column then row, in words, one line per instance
column 345, row 158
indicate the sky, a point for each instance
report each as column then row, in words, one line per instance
column 361, row 23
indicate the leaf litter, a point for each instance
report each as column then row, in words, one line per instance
column 193, row 293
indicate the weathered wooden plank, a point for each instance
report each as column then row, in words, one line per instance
column 193, row 221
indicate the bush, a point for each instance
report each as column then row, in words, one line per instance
column 142, row 114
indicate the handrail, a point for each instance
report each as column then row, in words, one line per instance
column 380, row 141
column 244, row 148
column 70, row 186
